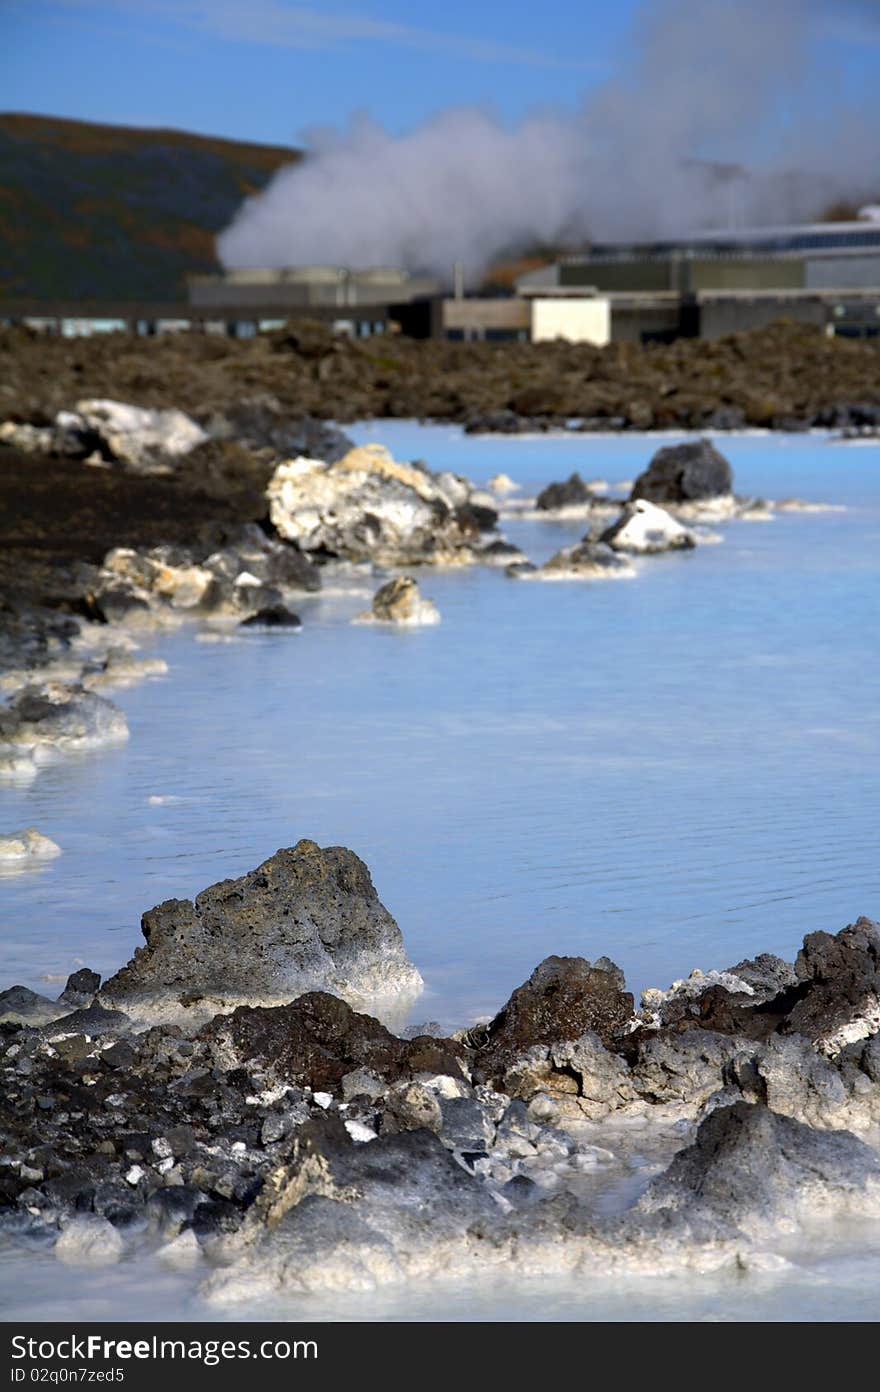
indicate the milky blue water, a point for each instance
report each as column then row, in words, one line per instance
column 677, row 770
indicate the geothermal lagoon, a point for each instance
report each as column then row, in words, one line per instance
column 675, row 769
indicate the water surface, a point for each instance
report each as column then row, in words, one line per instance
column 676, row 770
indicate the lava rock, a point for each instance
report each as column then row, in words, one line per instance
column 684, row 473
column 317, row 1040
column 574, row 492
column 840, row 976
column 750, row 1169
column 564, row 998
column 276, row 616
column 306, row 919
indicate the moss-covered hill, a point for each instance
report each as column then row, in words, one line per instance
column 110, row 212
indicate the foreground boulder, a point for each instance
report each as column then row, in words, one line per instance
column 307, row 919
column 369, row 506
column 685, row 473
column 752, row 1171
column 646, row 529
column 304, row 1146
column 399, row 602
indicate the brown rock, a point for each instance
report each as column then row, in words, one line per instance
column 564, row 998
column 316, row 1040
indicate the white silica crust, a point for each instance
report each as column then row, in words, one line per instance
column 27, row 845
column 644, row 527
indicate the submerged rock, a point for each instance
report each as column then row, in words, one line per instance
column 369, row 506
column 306, row 919
column 27, row 846
column 588, row 560
column 684, row 473
column 399, row 602
column 276, row 616
column 54, row 718
column 644, row 528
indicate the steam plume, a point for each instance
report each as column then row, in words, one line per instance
column 711, row 108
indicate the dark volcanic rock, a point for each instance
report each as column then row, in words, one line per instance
column 563, row 998
column 21, row 1005
column 767, row 975
column 572, row 493
column 750, row 1168
column 276, row 616
column 317, row 1039
column 306, row 919
column 840, row 976
column 81, row 988
column 684, row 473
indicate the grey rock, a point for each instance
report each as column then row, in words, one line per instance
column 767, row 975
column 800, row 1083
column 684, row 473
column 59, row 715
column 21, row 1006
column 81, row 988
column 306, row 919
column 95, row 1020
column 684, row 1068
column 750, row 1169
column 465, row 1125
column 574, row 492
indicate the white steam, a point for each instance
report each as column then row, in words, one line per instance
column 713, row 109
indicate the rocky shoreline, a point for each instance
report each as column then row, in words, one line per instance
column 302, row 1145
column 238, row 1097
column 783, row 377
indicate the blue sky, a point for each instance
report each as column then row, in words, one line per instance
column 268, row 69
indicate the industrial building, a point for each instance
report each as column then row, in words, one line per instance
column 712, row 283
column 705, row 285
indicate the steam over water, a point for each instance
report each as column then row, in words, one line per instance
column 718, row 116
column 675, row 770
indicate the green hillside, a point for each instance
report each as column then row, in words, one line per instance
column 111, row 212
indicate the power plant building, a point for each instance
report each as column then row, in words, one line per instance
column 714, row 283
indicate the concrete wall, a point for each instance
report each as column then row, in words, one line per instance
column 575, row 320
column 722, row 316
column 839, row 272
column 476, row 317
